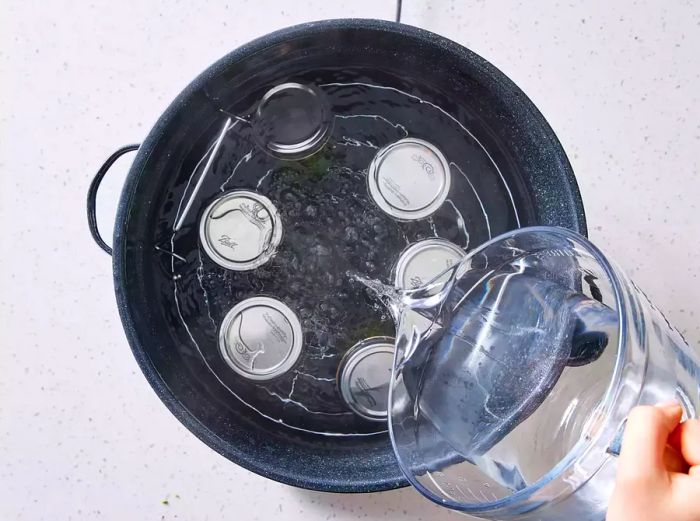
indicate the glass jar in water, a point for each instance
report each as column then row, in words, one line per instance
column 512, row 405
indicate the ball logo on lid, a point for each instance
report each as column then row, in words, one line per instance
column 246, row 353
column 256, row 214
column 225, row 240
column 427, row 166
column 362, row 389
column 415, row 282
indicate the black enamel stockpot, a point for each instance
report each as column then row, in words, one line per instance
column 518, row 138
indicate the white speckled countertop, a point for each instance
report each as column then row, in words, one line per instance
column 82, row 436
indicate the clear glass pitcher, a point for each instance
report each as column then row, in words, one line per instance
column 512, row 381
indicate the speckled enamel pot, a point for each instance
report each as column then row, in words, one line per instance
column 349, row 464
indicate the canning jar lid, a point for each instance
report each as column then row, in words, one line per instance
column 364, row 376
column 422, row 261
column 409, row 179
column 260, row 338
column 292, row 121
column 240, row 230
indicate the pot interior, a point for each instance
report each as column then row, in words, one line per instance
column 381, row 83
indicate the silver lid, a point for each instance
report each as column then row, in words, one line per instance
column 365, row 375
column 422, row 261
column 409, row 179
column 260, row 338
column 292, row 121
column 240, row 230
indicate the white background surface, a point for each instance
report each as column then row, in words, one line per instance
column 82, row 436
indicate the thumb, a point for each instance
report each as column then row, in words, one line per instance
column 644, row 443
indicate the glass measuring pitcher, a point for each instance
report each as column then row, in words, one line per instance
column 512, row 381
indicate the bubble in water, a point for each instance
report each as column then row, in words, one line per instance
column 310, row 211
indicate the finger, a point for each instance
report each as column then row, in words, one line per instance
column 644, row 441
column 684, row 492
column 674, row 461
column 685, row 438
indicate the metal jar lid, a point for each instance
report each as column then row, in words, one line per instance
column 422, row 261
column 260, row 338
column 240, row 230
column 292, row 121
column 409, row 179
column 364, row 377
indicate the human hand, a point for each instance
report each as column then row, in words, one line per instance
column 658, row 472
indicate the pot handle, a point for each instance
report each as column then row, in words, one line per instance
column 92, row 195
